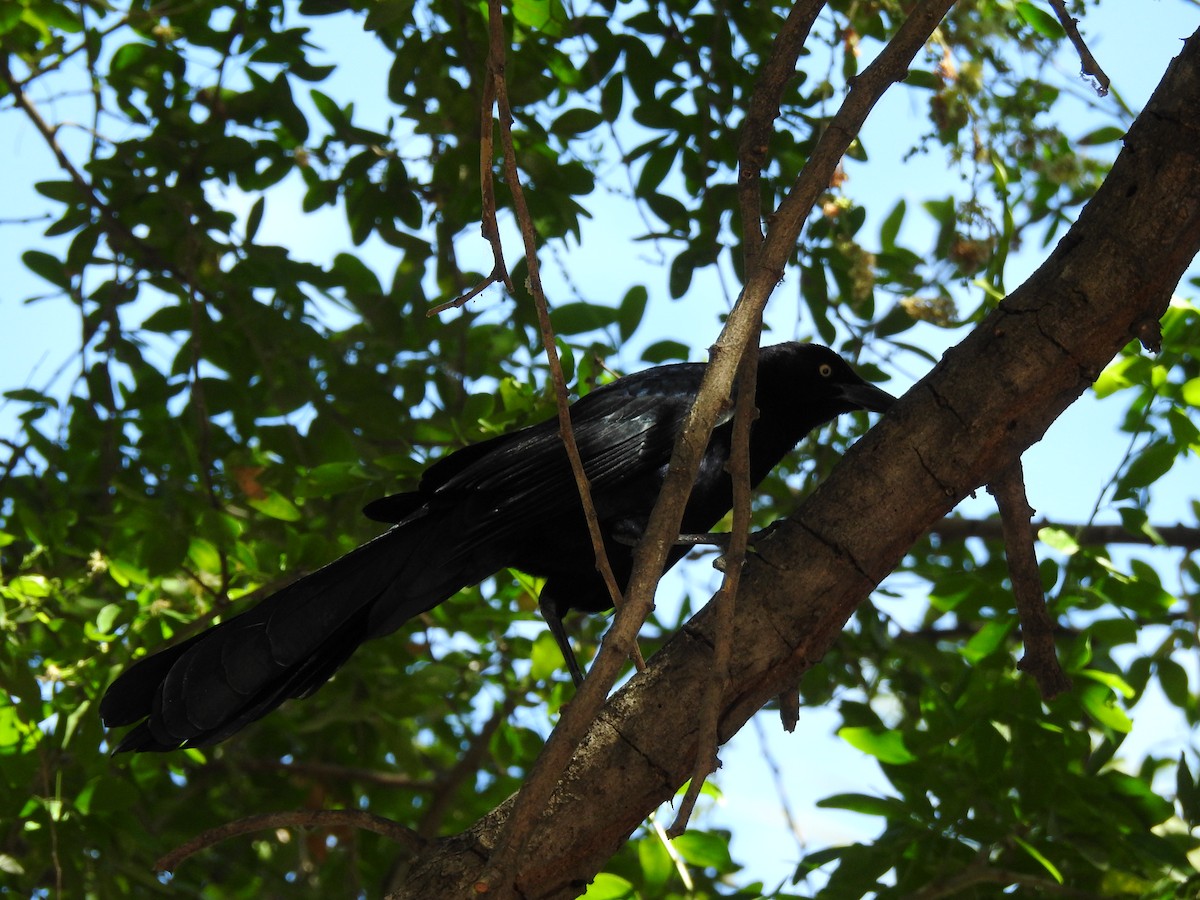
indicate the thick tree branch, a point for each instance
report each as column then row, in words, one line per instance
column 985, row 402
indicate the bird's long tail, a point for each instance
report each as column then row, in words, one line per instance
column 206, row 688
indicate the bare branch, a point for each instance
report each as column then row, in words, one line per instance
column 1183, row 537
column 1037, row 628
column 1087, row 63
column 761, row 113
column 489, row 226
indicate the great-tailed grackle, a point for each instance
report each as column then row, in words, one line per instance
column 508, row 501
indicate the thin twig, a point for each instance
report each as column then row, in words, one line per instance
column 529, row 237
column 1087, row 63
column 707, row 738
column 1037, row 628
column 489, row 224
column 761, row 113
column 781, row 786
column 498, row 275
column 301, row 818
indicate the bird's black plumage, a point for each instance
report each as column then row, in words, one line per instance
column 508, row 501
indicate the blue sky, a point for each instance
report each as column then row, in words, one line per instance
column 1132, row 41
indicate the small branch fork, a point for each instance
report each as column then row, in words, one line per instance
column 1087, row 63
column 1037, row 628
column 490, row 226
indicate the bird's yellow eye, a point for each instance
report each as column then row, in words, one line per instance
column 825, row 369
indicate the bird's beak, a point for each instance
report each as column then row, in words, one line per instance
column 866, row 396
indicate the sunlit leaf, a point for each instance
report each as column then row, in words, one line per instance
column 886, row 746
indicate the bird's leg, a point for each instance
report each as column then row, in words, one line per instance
column 708, row 538
column 554, row 621
column 629, row 531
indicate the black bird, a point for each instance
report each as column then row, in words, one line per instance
column 508, row 501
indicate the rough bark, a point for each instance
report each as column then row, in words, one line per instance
column 1107, row 282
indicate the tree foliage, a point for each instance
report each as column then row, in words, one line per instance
column 251, row 240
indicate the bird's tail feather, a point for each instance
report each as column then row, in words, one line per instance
column 208, row 687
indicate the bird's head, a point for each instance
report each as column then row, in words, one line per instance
column 820, row 378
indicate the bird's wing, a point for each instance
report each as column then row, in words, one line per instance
column 624, row 431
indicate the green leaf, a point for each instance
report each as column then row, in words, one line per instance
column 885, row 746
column 891, row 226
column 1098, row 700
column 29, row 587
column 1126, row 371
column 29, row 395
column 1057, row 539
column 1111, row 680
column 987, row 640
column 1190, row 392
column 655, row 861
column 631, row 311
column 924, row 79
column 168, row 320
column 657, row 165
column 1040, row 21
column 254, row 219
column 886, row 807
column 1103, row 135
column 576, row 121
column 329, row 479
column 8, row 864
column 577, row 318
column 612, row 97
column 1187, row 794
column 606, row 886
column 276, row 506
column 1042, row 860
column 107, row 617
column 665, row 351
column 546, row 657
column 705, row 849
column 1151, row 464
column 329, row 110
column 546, row 16
column 47, row 267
